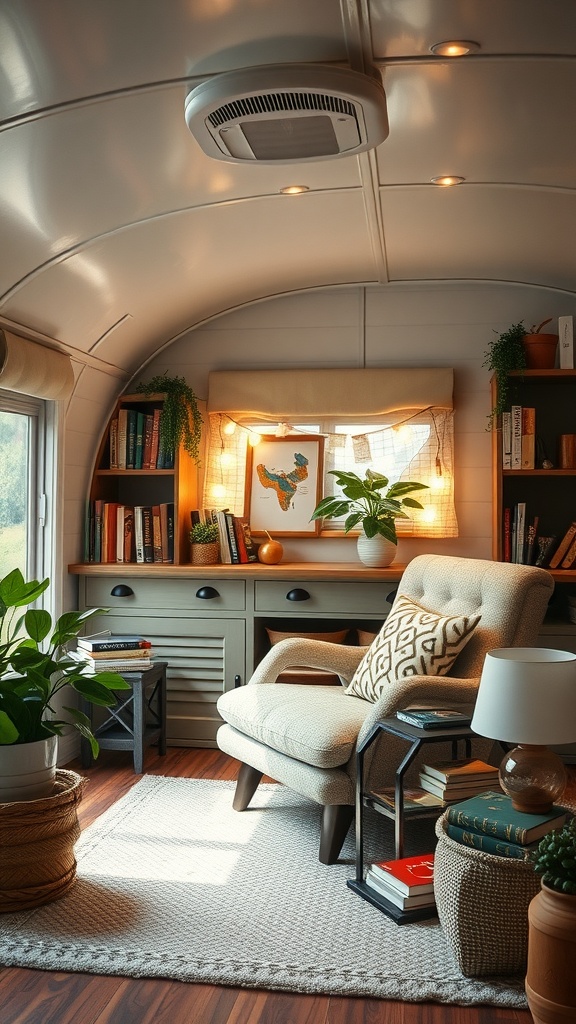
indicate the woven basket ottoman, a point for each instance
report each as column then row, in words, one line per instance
column 482, row 902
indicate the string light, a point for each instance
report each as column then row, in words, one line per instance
column 229, row 428
column 227, row 460
column 218, row 491
column 254, row 438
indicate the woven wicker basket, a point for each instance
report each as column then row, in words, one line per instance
column 37, row 840
column 482, row 902
column 205, row 554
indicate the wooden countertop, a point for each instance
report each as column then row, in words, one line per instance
column 329, row 571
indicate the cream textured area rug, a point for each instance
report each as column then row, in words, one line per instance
column 173, row 883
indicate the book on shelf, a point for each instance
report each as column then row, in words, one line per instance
column 434, row 718
column 545, row 548
column 148, row 533
column 118, row 664
column 489, row 844
column 251, row 550
column 450, row 792
column 518, row 532
column 147, row 444
column 107, row 641
column 113, row 441
column 531, row 535
column 139, row 447
column 492, row 813
column 409, row 876
column 139, row 533
column 379, row 885
column 563, row 547
column 170, row 517
column 413, row 799
column 566, row 342
column 225, row 553
column 570, row 556
column 155, row 439
column 98, row 513
column 122, row 436
column 131, row 439
column 118, row 654
column 233, row 546
column 528, row 444
column 516, row 446
column 462, row 769
column 156, row 533
column 120, row 533
column 240, row 541
column 507, row 439
column 507, row 535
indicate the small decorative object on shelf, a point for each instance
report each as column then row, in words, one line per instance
column 540, row 349
column 204, row 544
column 271, row 551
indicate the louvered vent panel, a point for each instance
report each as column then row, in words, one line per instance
column 280, row 101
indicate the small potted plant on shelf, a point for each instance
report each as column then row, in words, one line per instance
column 34, row 667
column 550, row 978
column 505, row 355
column 363, row 502
column 181, row 420
column 539, row 348
column 204, row 543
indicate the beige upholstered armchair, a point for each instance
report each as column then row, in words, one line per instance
column 448, row 612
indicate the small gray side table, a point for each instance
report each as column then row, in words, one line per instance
column 137, row 719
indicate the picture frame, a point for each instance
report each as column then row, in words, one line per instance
column 279, row 498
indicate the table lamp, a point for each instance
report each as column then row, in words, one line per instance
column 527, row 696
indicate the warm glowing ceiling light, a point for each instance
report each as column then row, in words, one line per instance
column 254, row 438
column 455, row 48
column 294, row 190
column 447, row 179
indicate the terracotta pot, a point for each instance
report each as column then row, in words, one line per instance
column 540, row 351
column 375, row 551
column 551, row 978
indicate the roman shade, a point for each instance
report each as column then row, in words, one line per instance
column 32, row 369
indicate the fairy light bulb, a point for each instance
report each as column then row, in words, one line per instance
column 429, row 514
column 226, row 460
column 254, row 438
column 229, row 428
column 404, row 432
column 219, row 491
column 437, row 483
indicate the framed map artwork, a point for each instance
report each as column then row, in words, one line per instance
column 284, row 485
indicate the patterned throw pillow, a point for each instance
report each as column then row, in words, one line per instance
column 412, row 642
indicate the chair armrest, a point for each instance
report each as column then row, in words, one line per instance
column 421, row 691
column 305, row 653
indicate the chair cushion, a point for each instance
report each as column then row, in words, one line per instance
column 314, row 724
column 412, row 642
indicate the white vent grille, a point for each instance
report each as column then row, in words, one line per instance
column 287, row 114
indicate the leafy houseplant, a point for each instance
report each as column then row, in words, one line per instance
column 362, row 501
column 555, row 859
column 181, row 420
column 204, row 533
column 505, row 355
column 30, row 678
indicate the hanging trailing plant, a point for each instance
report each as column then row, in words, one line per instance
column 181, row 422
column 505, row 355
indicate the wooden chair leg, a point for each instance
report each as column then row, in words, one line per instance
column 248, row 781
column 336, row 820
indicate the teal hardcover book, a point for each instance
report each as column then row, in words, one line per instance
column 492, row 814
column 489, row 844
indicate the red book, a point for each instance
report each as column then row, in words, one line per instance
column 507, row 535
column 409, row 875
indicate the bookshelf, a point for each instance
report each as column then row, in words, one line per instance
column 144, row 486
column 549, row 493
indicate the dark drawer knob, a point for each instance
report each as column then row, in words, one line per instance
column 298, row 595
column 121, row 590
column 207, row 593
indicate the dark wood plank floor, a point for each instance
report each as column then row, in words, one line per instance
column 39, row 997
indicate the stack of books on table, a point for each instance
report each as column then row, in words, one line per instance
column 114, row 653
column 407, row 883
column 488, row 822
column 454, row 780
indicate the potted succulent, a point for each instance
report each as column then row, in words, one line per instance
column 550, row 978
column 204, row 543
column 363, row 502
column 34, row 667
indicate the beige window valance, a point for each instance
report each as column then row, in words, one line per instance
column 32, row 369
column 333, row 392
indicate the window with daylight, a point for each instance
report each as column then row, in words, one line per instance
column 21, row 483
column 411, row 442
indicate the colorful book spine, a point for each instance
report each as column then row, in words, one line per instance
column 139, row 451
column 122, row 437
column 489, row 844
column 516, row 447
column 507, row 440
column 528, row 446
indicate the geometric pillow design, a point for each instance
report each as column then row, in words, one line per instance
column 412, row 642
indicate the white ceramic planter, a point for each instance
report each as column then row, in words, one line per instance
column 27, row 770
column 375, row 551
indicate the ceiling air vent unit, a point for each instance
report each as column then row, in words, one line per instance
column 287, row 113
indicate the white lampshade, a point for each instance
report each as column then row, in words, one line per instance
column 527, row 695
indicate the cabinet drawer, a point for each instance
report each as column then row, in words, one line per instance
column 331, row 598
column 164, row 595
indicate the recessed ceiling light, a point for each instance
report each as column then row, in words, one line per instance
column 294, row 190
column 455, row 48
column 448, row 179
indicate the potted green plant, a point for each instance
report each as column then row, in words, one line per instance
column 204, row 543
column 505, row 355
column 550, row 977
column 34, row 667
column 375, row 505
column 181, row 422
column 540, row 348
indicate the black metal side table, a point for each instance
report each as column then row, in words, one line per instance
column 416, row 738
column 137, row 719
